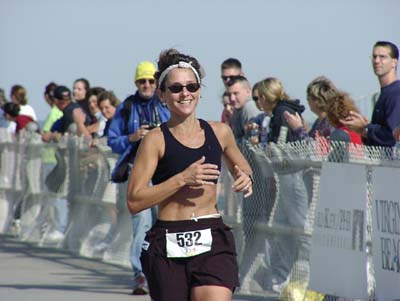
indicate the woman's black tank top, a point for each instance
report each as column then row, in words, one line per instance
column 178, row 157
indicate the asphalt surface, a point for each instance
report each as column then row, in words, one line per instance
column 30, row 273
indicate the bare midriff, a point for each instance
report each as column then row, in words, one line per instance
column 190, row 201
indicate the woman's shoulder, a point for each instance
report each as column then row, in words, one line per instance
column 217, row 125
column 221, row 130
column 154, row 139
column 155, row 133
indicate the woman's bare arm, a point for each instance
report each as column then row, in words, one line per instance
column 234, row 159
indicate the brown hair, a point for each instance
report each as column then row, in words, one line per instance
column 96, row 91
column 231, row 63
column 321, row 90
column 171, row 57
column 11, row 109
column 114, row 101
column 19, row 93
column 339, row 107
column 394, row 51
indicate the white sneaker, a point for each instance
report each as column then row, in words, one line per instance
column 54, row 236
column 140, row 287
column 101, row 247
column 278, row 287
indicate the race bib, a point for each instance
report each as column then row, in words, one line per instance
column 188, row 244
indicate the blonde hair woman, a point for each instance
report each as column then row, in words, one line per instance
column 18, row 96
column 292, row 201
column 275, row 100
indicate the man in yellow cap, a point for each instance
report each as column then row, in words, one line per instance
column 133, row 119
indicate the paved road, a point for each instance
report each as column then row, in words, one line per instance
column 30, row 273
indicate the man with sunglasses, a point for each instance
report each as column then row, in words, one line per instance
column 231, row 67
column 133, row 120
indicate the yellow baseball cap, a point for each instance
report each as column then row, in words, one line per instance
column 145, row 70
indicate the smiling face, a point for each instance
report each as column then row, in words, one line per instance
column 183, row 102
column 93, row 107
column 107, row 109
column 79, row 91
column 239, row 94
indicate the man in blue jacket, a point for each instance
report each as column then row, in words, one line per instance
column 133, row 119
column 386, row 115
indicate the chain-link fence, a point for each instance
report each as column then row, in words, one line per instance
column 60, row 195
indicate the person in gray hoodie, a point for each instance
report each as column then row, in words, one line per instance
column 290, row 244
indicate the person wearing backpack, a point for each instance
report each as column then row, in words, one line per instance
column 133, row 119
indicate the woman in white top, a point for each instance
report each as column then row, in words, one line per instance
column 18, row 96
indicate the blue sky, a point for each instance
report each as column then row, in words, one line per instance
column 57, row 40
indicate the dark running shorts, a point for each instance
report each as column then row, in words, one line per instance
column 173, row 278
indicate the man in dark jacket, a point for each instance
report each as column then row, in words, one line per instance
column 386, row 115
column 72, row 113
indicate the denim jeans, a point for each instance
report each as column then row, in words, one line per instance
column 141, row 223
column 61, row 214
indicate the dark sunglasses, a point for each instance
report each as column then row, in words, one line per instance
column 144, row 80
column 177, row 88
column 255, row 98
column 226, row 78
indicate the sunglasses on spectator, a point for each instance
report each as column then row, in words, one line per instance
column 255, row 98
column 177, row 88
column 229, row 77
column 144, row 80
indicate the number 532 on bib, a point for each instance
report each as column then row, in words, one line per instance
column 188, row 244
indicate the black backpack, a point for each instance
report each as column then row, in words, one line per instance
column 122, row 173
column 126, row 112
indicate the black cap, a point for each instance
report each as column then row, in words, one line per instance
column 62, row 92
